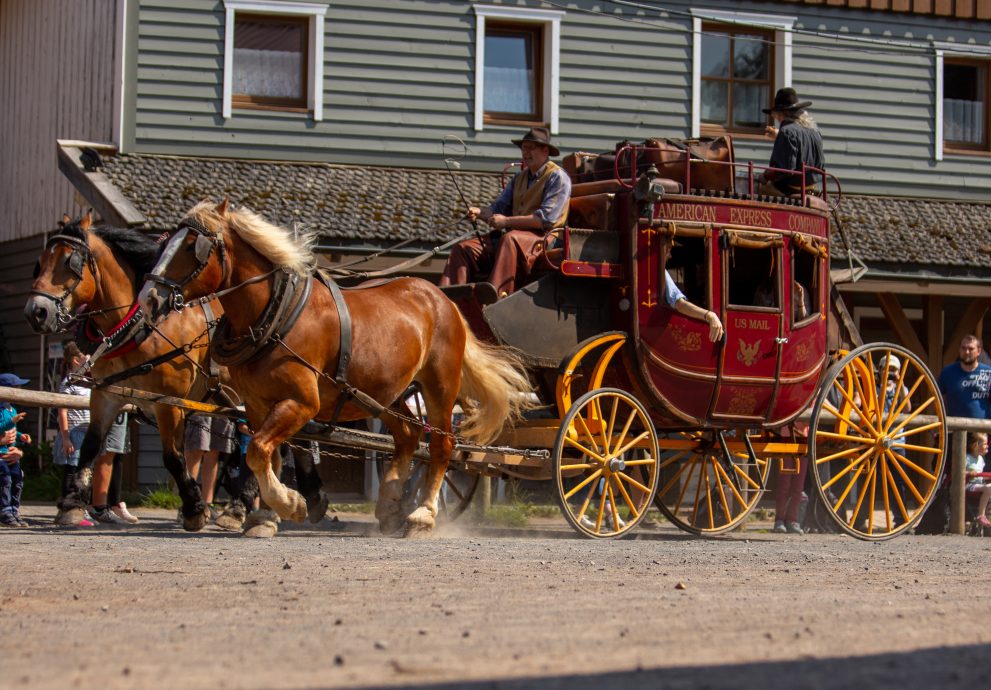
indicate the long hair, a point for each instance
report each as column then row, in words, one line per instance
column 803, row 119
column 279, row 245
column 133, row 248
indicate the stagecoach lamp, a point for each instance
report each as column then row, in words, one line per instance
column 648, row 191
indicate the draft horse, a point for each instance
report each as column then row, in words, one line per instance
column 298, row 348
column 90, row 277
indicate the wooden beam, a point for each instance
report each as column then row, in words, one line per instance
column 932, row 316
column 899, row 323
column 98, row 190
column 967, row 325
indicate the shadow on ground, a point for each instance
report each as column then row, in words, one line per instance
column 943, row 667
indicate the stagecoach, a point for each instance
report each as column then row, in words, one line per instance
column 634, row 405
column 642, row 408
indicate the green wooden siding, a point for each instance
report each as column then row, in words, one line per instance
column 399, row 75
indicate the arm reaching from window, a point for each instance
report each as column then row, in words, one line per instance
column 686, row 308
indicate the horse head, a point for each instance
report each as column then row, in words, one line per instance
column 194, row 262
column 65, row 277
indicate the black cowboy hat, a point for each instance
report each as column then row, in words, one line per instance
column 786, row 100
column 539, row 135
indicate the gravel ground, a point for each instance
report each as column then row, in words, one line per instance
column 334, row 606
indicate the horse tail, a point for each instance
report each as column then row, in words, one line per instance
column 495, row 389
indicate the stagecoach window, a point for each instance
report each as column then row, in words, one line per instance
column 513, row 59
column 752, row 278
column 689, row 269
column 965, row 104
column 737, row 77
column 270, row 56
column 805, row 296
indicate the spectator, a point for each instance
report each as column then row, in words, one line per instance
column 11, row 474
column 966, row 389
column 206, row 438
column 966, row 383
column 977, row 448
column 789, row 492
column 106, row 507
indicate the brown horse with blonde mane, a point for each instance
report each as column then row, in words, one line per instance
column 89, row 277
column 297, row 351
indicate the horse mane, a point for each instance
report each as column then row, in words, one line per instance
column 279, row 245
column 139, row 251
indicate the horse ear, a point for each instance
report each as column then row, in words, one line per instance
column 87, row 222
column 65, row 220
column 222, row 207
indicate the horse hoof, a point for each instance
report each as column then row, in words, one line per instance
column 316, row 511
column 69, row 518
column 197, row 522
column 391, row 525
column 420, row 523
column 263, row 530
column 297, row 507
column 229, row 521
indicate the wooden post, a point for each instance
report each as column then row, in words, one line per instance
column 484, row 500
column 958, row 482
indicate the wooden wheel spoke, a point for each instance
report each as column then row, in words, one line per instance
column 846, row 420
column 677, row 475
column 612, row 422
column 588, row 499
column 836, row 456
column 601, row 512
column 577, row 446
column 588, row 435
column 580, row 466
column 895, row 411
column 884, row 492
column 741, row 474
column 626, row 497
column 920, row 429
column 849, row 486
column 915, row 413
column 920, row 449
column 721, row 473
column 590, row 478
column 597, row 411
column 861, row 495
column 703, row 480
column 612, row 507
column 898, row 497
column 631, row 480
column 671, row 459
column 632, row 443
column 843, row 437
column 904, row 475
column 903, row 461
column 626, row 429
column 639, row 461
column 868, row 401
column 873, row 493
column 853, row 406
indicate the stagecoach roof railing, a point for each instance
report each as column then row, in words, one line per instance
column 749, row 166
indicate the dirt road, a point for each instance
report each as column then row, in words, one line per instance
column 333, row 606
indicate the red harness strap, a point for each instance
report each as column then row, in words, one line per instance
column 120, row 350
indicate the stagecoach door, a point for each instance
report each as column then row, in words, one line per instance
column 753, row 300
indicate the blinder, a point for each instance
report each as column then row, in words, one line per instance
column 76, row 262
column 203, row 247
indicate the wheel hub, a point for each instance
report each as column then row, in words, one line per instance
column 616, row 465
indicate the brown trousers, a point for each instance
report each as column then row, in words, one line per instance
column 508, row 260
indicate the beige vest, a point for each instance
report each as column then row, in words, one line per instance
column 526, row 200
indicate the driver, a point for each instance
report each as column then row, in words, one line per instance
column 534, row 202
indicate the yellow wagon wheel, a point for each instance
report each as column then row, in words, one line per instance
column 706, row 489
column 877, row 441
column 605, row 463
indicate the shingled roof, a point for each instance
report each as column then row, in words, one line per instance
column 345, row 202
column 377, row 205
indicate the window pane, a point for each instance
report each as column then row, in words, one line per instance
column 748, row 100
column 750, row 57
column 510, row 79
column 715, row 55
column 268, row 59
column 715, row 103
column 963, row 103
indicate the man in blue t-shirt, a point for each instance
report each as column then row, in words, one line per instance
column 966, row 383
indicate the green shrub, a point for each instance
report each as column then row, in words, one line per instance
column 44, row 486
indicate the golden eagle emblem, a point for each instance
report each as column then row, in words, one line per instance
column 748, row 353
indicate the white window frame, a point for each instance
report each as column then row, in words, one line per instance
column 316, row 13
column 950, row 50
column 782, row 27
column 550, row 20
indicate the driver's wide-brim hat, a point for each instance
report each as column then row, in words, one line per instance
column 786, row 100
column 539, row 135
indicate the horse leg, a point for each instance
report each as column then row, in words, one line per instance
column 439, row 400
column 309, row 484
column 284, row 418
column 171, row 430
column 388, row 509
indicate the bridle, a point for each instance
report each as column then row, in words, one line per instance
column 206, row 242
column 80, row 257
